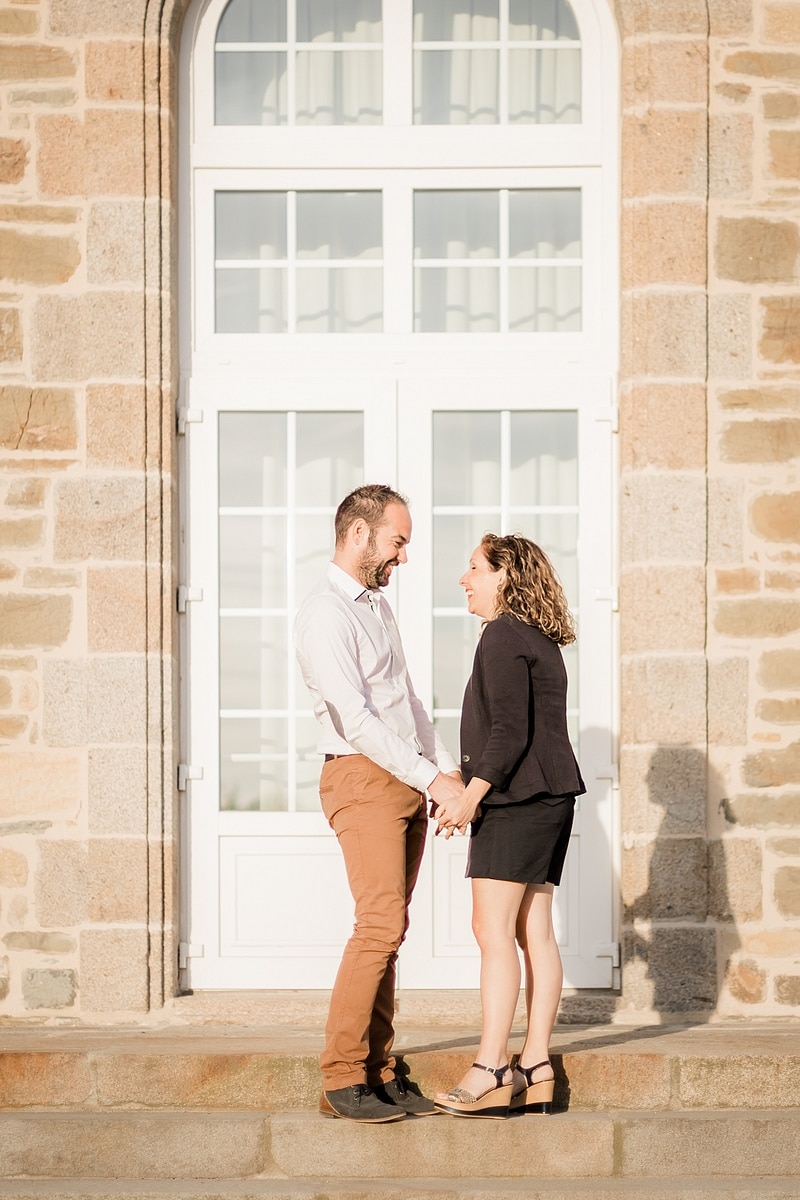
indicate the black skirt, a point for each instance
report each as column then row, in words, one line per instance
column 524, row 842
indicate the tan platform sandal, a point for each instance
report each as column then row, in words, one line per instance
column 533, row 1097
column 493, row 1103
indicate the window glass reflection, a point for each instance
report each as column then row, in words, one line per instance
column 466, row 450
column 252, row 459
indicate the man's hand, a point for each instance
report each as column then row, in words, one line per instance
column 446, row 787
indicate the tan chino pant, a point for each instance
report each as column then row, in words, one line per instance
column 381, row 825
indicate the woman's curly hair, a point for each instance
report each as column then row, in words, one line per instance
column 531, row 591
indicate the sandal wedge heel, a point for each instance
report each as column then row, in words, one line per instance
column 533, row 1098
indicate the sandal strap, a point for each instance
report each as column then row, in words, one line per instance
column 528, row 1071
column 498, row 1072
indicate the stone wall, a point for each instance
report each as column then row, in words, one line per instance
column 709, row 489
column 86, row 820
column 710, row 509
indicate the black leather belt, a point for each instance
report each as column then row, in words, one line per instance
column 331, row 757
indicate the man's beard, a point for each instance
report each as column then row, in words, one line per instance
column 372, row 570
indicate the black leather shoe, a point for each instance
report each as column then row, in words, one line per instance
column 397, row 1092
column 358, row 1103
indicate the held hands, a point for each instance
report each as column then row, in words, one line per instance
column 454, row 806
column 457, row 811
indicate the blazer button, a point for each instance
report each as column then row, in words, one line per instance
column 465, row 758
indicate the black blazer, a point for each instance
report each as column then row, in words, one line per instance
column 514, row 719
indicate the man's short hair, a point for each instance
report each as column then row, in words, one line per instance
column 367, row 503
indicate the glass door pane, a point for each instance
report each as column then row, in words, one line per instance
column 281, row 476
column 499, row 472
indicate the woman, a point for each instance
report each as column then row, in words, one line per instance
column 522, row 780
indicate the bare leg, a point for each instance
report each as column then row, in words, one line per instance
column 544, row 974
column 495, row 905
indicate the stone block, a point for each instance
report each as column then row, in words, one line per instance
column 787, row 891
column 650, row 413
column 763, row 399
column 34, row 620
column 771, row 943
column 746, row 981
column 761, row 64
column 135, row 1145
column 763, row 811
column 35, row 61
column 6, row 692
column 730, row 166
column 782, row 22
column 13, row 868
column 117, row 608
column 780, row 338
column 665, row 71
column 754, row 250
column 37, row 258
column 114, row 69
column 730, row 18
column 96, row 335
column 115, row 241
column 781, row 106
column 679, row 964
column 7, row 570
column 108, row 153
column 735, row 1080
column 46, row 989
column 27, row 493
column 10, row 335
column 663, row 790
column 787, row 990
column 38, row 783
column 665, row 334
column 782, row 581
column 47, row 98
column 735, row 879
column 21, row 534
column 61, row 884
column 665, row 880
column 784, row 152
column 43, row 943
column 51, row 577
column 760, row 441
column 664, row 700
column 101, row 518
column 664, row 153
column 100, row 700
column 117, row 880
column 95, row 18
column 776, row 516
column 118, row 790
column 773, row 768
column 115, row 425
column 637, row 17
column 114, row 970
column 663, row 243
column 779, row 670
column 785, row 846
column 18, row 23
column 663, row 518
column 779, row 712
column 664, row 609
column 13, row 159
column 29, row 1080
column 730, row 336
column 37, row 419
column 728, row 701
column 12, row 727
column 741, row 579
column 737, row 92
column 757, row 618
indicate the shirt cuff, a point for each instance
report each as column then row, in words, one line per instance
column 424, row 775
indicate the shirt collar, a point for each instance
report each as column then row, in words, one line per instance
column 351, row 587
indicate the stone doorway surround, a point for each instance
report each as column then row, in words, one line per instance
column 709, row 396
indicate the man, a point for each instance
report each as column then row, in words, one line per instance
column 381, row 755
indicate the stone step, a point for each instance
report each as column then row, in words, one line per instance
column 161, row 1145
column 405, row 1189
column 598, row 1069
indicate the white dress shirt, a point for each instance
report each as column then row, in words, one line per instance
column 353, row 665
